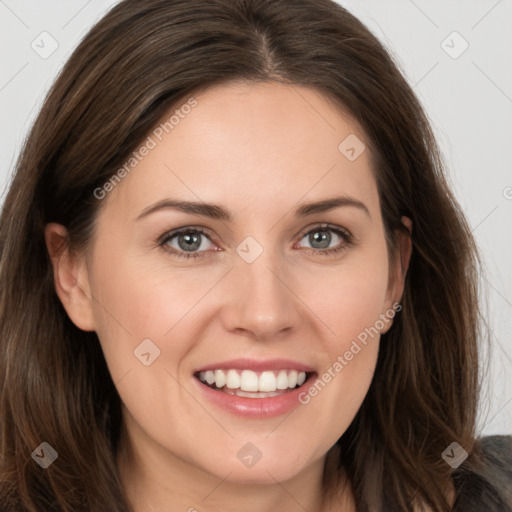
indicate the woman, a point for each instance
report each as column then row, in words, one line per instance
column 172, row 336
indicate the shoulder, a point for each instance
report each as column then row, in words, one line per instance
column 483, row 483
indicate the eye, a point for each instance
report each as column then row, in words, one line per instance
column 322, row 237
column 193, row 242
column 186, row 242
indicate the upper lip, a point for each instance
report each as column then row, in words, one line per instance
column 257, row 365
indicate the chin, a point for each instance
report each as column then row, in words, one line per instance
column 262, row 471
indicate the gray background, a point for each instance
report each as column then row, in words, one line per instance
column 467, row 95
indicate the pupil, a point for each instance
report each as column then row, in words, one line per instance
column 321, row 237
column 192, row 242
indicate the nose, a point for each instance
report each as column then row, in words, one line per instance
column 260, row 301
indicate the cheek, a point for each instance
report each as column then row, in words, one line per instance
column 137, row 300
column 348, row 300
column 352, row 308
column 128, row 309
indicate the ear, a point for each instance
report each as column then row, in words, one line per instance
column 399, row 271
column 71, row 277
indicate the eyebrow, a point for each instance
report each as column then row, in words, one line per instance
column 218, row 212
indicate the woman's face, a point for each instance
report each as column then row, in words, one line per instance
column 286, row 278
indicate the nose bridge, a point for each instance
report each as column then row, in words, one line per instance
column 262, row 301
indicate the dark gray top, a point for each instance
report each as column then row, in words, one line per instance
column 486, row 487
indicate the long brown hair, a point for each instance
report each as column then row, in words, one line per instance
column 135, row 64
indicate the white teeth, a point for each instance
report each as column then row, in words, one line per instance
column 282, row 380
column 250, row 382
column 267, row 382
column 220, row 379
column 292, row 379
column 232, row 379
column 210, row 378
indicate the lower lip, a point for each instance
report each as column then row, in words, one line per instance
column 254, row 407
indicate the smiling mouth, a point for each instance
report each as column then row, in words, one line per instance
column 251, row 384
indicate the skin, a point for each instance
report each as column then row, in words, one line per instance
column 258, row 150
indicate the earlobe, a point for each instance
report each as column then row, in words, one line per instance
column 71, row 277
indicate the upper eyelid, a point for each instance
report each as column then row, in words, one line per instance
column 325, row 226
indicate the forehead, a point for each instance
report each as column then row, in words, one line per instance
column 251, row 145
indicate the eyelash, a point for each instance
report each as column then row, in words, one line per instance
column 343, row 233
